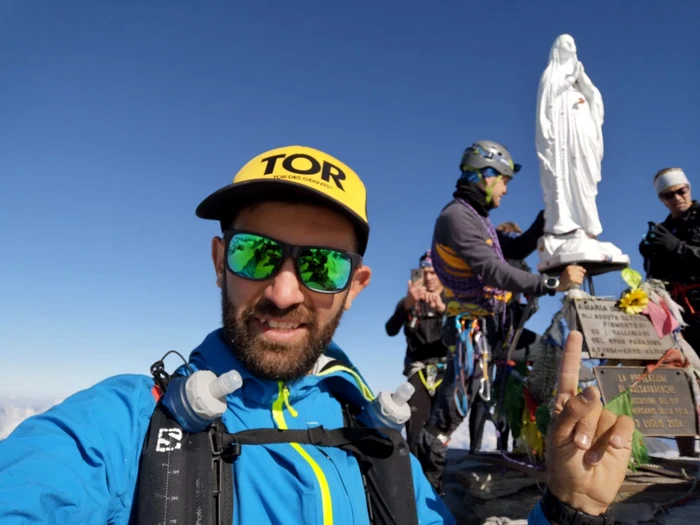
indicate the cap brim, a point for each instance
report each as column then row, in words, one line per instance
column 225, row 203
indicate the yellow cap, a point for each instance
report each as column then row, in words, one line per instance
column 293, row 169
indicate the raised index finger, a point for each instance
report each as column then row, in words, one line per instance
column 567, row 380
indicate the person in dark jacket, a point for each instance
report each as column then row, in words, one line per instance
column 671, row 249
column 671, row 252
column 420, row 316
column 518, row 303
column 470, row 258
column 514, row 313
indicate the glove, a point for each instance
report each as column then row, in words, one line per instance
column 662, row 238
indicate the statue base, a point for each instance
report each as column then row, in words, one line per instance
column 593, row 264
column 559, row 251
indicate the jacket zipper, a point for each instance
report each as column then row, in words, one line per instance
column 278, row 416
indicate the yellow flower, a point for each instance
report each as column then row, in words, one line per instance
column 634, row 302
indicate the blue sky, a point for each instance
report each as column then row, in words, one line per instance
column 117, row 118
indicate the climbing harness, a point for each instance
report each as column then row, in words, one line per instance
column 471, row 347
column 466, row 291
column 429, row 378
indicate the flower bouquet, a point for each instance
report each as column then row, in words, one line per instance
column 650, row 298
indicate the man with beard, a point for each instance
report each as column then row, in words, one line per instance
column 289, row 262
column 471, row 260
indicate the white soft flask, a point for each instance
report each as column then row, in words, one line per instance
column 389, row 409
column 198, row 399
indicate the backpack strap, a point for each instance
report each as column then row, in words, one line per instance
column 369, row 439
column 182, row 476
column 388, row 479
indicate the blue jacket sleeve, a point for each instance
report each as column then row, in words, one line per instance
column 431, row 509
column 77, row 463
column 536, row 516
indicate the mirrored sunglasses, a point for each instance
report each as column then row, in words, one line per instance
column 257, row 257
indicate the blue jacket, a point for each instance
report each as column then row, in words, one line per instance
column 78, row 462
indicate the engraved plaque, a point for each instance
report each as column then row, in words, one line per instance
column 610, row 333
column 662, row 404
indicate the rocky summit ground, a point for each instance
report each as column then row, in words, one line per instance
column 481, row 494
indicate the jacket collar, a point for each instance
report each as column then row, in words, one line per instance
column 474, row 195
column 687, row 214
column 333, row 372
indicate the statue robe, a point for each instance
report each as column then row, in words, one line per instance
column 569, row 144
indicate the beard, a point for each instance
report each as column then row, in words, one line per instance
column 276, row 361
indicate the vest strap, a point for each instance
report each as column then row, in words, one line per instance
column 366, row 441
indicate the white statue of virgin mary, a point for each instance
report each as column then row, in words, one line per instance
column 569, row 140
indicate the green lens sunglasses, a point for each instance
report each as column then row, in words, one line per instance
column 258, row 257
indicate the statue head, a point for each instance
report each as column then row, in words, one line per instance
column 563, row 50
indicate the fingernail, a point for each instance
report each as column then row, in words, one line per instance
column 593, row 457
column 590, row 394
column 582, row 439
column 617, row 441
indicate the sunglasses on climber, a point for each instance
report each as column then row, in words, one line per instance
column 258, row 257
column 668, row 195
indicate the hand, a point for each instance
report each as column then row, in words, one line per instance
column 662, row 238
column 416, row 292
column 570, row 277
column 575, row 74
column 435, row 302
column 588, row 448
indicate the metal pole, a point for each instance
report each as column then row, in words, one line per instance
column 591, row 289
column 521, row 326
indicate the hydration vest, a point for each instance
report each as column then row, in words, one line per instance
column 194, row 482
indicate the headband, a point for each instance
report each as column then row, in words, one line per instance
column 426, row 261
column 670, row 178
